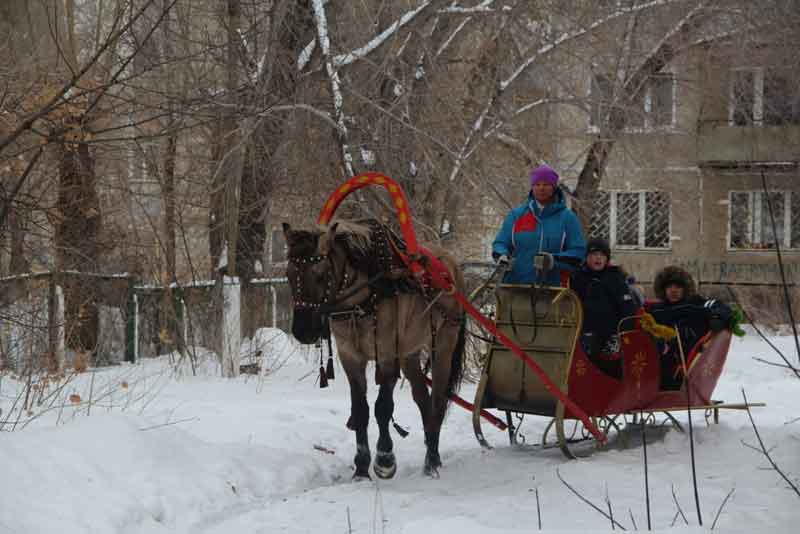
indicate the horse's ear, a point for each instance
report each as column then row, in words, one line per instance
column 287, row 231
column 325, row 244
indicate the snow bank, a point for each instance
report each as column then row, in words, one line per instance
column 187, row 453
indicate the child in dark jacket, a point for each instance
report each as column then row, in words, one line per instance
column 607, row 299
column 692, row 315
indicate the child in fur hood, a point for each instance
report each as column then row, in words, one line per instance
column 692, row 315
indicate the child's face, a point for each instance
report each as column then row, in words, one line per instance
column 674, row 293
column 596, row 260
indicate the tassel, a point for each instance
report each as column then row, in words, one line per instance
column 323, row 378
column 329, row 369
column 400, row 430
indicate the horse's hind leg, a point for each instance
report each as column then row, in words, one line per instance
column 441, row 368
column 359, row 413
column 385, row 465
column 419, row 390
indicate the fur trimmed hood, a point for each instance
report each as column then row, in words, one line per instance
column 670, row 275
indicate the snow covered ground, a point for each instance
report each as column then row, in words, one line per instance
column 163, row 452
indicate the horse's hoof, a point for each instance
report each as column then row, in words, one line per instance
column 361, row 477
column 431, row 471
column 433, row 461
column 385, row 465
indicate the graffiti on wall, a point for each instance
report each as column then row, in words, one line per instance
column 728, row 271
column 721, row 271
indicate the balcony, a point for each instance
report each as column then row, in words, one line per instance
column 722, row 144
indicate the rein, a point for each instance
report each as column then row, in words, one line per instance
column 329, row 308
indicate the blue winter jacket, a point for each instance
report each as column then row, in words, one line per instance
column 528, row 231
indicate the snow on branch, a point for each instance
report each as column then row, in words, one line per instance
column 579, row 33
column 305, row 55
column 378, row 40
column 354, row 55
column 483, row 7
column 338, row 101
column 449, row 40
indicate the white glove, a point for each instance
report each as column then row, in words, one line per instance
column 503, row 261
column 544, row 261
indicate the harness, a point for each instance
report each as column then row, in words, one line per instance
column 385, row 265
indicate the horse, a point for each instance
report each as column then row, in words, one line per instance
column 347, row 277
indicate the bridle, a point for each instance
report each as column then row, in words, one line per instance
column 328, row 300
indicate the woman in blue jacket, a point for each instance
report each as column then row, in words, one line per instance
column 542, row 229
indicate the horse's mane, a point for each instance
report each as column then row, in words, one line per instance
column 355, row 237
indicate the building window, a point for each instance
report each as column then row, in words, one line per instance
column 781, row 99
column 601, row 92
column 632, row 220
column 144, row 178
column 763, row 97
column 653, row 107
column 750, row 225
column 660, row 101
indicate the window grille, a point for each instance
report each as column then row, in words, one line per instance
column 628, row 220
column 794, row 220
column 750, row 224
column 632, row 220
column 741, row 224
column 656, row 230
column 777, row 202
column 600, row 224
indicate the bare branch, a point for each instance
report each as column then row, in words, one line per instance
column 57, row 99
column 764, row 450
column 587, row 501
column 721, row 506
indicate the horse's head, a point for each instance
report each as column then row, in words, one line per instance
column 312, row 278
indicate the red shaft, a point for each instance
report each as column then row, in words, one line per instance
column 471, row 407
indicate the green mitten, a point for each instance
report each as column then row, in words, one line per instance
column 737, row 318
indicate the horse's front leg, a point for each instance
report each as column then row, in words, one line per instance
column 355, row 369
column 385, row 464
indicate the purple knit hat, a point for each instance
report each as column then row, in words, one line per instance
column 543, row 173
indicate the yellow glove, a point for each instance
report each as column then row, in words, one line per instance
column 658, row 331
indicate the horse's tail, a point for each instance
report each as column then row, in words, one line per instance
column 457, row 360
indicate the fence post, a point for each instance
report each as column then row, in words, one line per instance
column 231, row 326
column 60, row 350
column 176, row 326
column 274, row 292
column 132, row 325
